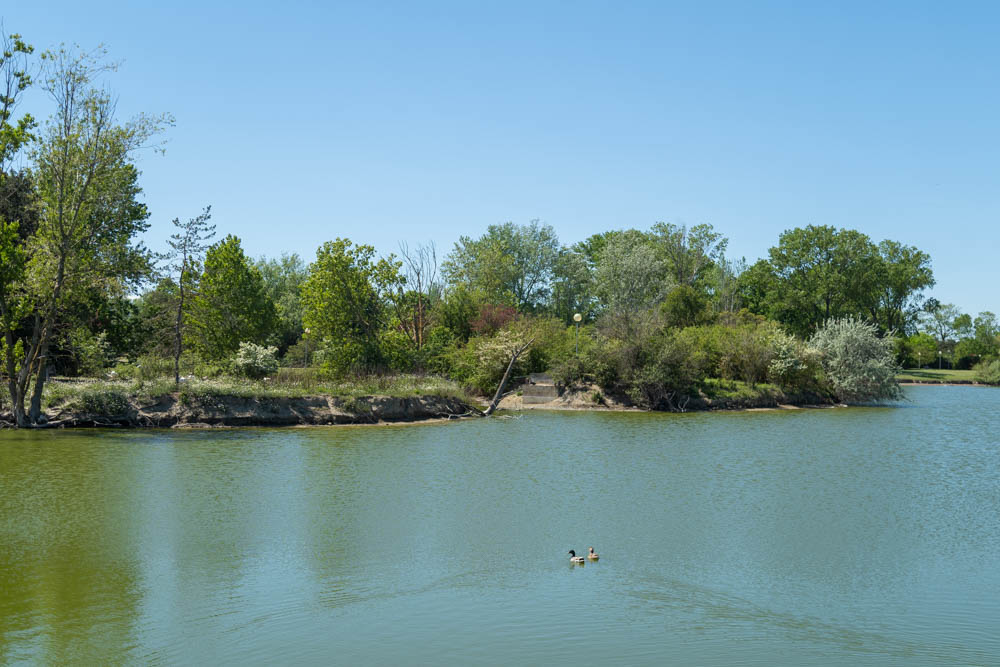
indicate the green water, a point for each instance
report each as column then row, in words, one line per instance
column 860, row 536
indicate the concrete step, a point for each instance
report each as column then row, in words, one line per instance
column 540, row 378
column 539, row 393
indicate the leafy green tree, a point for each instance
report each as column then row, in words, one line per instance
column 232, row 305
column 283, row 280
column 688, row 254
column 859, row 364
column 187, row 248
column 938, row 320
column 917, row 350
column 821, row 273
column 629, row 275
column 90, row 214
column 903, row 273
column 345, row 299
column 508, row 264
column 573, row 287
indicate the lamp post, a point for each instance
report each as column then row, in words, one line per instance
column 576, row 318
column 919, row 362
column 305, row 363
column 939, row 359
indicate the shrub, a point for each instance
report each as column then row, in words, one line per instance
column 859, row 365
column 255, row 361
column 988, row 372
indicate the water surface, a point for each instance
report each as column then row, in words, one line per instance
column 858, row 536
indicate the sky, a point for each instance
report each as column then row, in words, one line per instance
column 386, row 122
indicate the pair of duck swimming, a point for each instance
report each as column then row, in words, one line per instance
column 573, row 558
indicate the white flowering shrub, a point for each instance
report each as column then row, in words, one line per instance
column 859, row 365
column 255, row 361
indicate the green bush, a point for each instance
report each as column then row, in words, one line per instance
column 987, row 372
column 255, row 361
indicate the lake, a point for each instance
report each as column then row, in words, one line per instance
column 833, row 536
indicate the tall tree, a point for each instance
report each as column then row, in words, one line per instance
column 345, row 299
column 417, row 293
column 904, row 272
column 90, row 215
column 509, row 264
column 187, row 248
column 819, row 273
column 232, row 305
column 688, row 254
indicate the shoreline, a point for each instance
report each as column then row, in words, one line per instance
column 231, row 411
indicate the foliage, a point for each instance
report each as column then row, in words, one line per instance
column 629, row 276
column 819, row 272
column 86, row 236
column 283, row 280
column 509, row 264
column 916, row 351
column 187, row 247
column 859, row 365
column 255, row 361
column 232, row 305
column 988, row 372
column 344, row 299
column 688, row 254
column 686, row 306
column 91, row 350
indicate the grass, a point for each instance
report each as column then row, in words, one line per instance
column 90, row 393
column 935, row 375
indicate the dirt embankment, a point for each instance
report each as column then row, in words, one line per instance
column 590, row 397
column 221, row 410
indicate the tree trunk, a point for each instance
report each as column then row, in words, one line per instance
column 503, row 383
column 35, row 410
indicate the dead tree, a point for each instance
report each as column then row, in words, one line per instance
column 517, row 352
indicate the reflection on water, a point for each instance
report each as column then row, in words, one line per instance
column 808, row 537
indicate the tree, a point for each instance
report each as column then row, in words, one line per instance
column 90, row 216
column 231, row 306
column 688, row 254
column 938, row 320
column 345, row 299
column 509, row 263
column 15, row 78
column 904, row 272
column 629, row 279
column 187, row 247
column 572, row 287
column 283, row 279
column 417, row 293
column 859, row 365
column 822, row 273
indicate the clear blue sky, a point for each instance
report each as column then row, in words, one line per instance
column 414, row 121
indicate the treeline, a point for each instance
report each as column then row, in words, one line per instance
column 656, row 315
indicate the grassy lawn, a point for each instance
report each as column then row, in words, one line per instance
column 934, row 375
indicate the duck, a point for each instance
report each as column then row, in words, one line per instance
column 573, row 558
column 592, row 555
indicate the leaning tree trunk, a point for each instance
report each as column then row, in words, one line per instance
column 503, row 383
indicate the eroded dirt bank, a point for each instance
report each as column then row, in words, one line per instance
column 171, row 411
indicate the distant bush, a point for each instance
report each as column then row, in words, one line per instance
column 987, row 372
column 255, row 361
column 859, row 365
